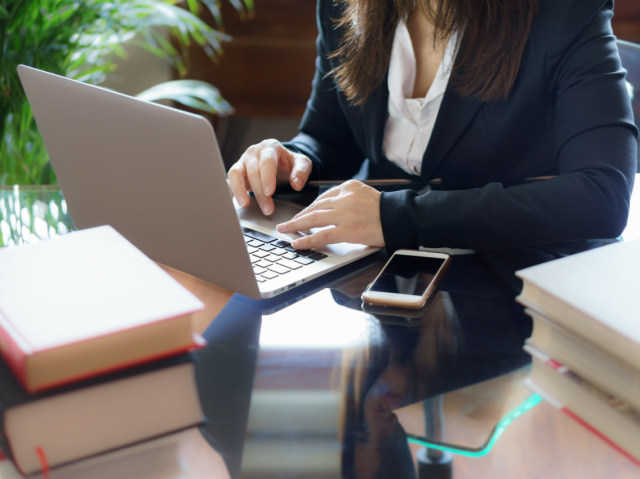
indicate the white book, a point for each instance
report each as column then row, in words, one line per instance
column 594, row 295
column 87, row 303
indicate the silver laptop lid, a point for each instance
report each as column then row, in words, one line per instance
column 153, row 173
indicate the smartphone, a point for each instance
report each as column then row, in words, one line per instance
column 408, row 279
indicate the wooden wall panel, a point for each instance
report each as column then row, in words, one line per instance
column 267, row 68
column 626, row 20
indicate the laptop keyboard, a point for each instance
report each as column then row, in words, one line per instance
column 272, row 257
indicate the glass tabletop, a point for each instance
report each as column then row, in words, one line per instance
column 313, row 384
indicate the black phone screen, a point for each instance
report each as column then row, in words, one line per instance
column 408, row 275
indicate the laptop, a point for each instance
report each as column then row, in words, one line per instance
column 156, row 175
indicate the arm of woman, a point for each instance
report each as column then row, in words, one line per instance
column 596, row 153
column 595, row 150
column 324, row 149
column 325, row 134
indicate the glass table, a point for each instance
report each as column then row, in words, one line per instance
column 310, row 385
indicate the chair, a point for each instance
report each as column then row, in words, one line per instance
column 630, row 56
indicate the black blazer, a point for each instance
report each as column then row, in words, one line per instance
column 568, row 115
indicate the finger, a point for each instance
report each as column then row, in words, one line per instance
column 300, row 172
column 319, row 239
column 236, row 178
column 315, row 219
column 255, row 180
column 324, row 204
column 268, row 169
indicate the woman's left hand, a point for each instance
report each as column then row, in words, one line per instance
column 353, row 208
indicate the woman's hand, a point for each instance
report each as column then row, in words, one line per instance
column 353, row 208
column 262, row 167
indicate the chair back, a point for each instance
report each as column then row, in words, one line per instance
column 630, row 56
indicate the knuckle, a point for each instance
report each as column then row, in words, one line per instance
column 350, row 197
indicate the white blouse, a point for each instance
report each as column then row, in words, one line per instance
column 411, row 120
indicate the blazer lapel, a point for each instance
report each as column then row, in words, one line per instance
column 454, row 116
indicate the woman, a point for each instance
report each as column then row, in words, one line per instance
column 482, row 95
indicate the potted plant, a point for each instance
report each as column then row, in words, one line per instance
column 81, row 39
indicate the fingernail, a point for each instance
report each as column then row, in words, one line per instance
column 281, row 227
column 267, row 209
column 267, row 191
column 244, row 203
column 296, row 181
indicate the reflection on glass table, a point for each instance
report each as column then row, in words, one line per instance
column 340, row 393
column 322, row 388
column 29, row 214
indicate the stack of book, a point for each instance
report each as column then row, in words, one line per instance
column 95, row 340
column 586, row 339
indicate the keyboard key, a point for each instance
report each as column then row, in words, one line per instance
column 303, row 260
column 273, row 258
column 279, row 251
column 259, row 236
column 262, row 264
column 282, row 244
column 270, row 275
column 267, row 247
column 247, row 239
column 254, row 258
column 251, row 249
column 258, row 270
column 278, row 268
column 317, row 256
column 260, row 254
column 290, row 256
column 289, row 264
column 255, row 243
column 260, row 279
column 304, row 252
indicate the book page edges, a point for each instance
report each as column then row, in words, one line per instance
column 14, row 348
column 81, row 360
column 585, row 358
column 585, row 326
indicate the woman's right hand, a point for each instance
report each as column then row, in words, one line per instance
column 264, row 166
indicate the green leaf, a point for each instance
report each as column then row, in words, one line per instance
column 82, row 39
column 193, row 93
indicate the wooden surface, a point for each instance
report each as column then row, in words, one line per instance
column 214, row 297
column 546, row 444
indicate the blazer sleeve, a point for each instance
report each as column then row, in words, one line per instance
column 325, row 134
column 596, row 152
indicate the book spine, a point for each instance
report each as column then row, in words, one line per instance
column 13, row 354
column 5, row 446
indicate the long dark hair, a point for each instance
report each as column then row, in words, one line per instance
column 490, row 49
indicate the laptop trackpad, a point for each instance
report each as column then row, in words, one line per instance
column 284, row 211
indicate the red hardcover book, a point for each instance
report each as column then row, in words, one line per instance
column 611, row 419
column 85, row 304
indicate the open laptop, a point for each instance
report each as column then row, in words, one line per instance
column 156, row 175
